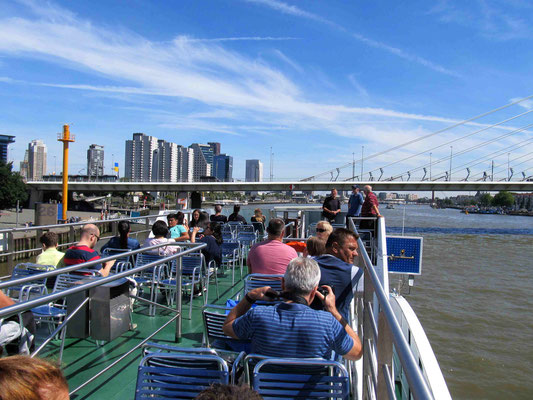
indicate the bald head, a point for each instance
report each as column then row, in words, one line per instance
column 367, row 189
column 90, row 234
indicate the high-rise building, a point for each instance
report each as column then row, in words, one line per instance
column 254, row 171
column 95, row 161
column 165, row 163
column 203, row 160
column 185, row 164
column 5, row 140
column 36, row 160
column 215, row 147
column 223, row 167
column 139, row 157
column 25, row 167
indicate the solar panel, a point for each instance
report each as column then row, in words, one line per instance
column 404, row 254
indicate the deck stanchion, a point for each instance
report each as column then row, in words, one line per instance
column 178, row 299
column 11, row 249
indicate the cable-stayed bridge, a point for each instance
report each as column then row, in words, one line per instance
column 492, row 151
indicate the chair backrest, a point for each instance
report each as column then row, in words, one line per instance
column 253, row 281
column 213, row 322
column 259, row 227
column 235, row 223
column 147, row 258
column 227, row 248
column 275, row 378
column 112, row 252
column 151, row 347
column 179, row 376
column 245, row 228
column 27, row 269
column 68, row 280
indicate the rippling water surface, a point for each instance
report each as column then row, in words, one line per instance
column 475, row 298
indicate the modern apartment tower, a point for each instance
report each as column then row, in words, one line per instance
column 215, row 148
column 36, row 160
column 6, row 140
column 203, row 160
column 165, row 163
column 139, row 157
column 223, row 167
column 185, row 164
column 254, row 171
column 95, row 161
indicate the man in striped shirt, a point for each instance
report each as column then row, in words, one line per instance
column 292, row 328
column 84, row 251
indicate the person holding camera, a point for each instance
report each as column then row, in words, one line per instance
column 291, row 328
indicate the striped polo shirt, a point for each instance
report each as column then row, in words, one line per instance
column 292, row 330
column 81, row 254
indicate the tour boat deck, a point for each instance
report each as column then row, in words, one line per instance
column 82, row 358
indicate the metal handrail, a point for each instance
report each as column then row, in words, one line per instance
column 27, row 305
column 415, row 378
column 95, row 222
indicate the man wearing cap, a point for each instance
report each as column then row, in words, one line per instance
column 354, row 204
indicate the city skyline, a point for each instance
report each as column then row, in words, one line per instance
column 325, row 84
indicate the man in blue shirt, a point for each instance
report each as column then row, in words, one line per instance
column 292, row 328
column 354, row 203
column 337, row 269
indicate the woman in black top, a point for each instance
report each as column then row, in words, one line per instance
column 211, row 234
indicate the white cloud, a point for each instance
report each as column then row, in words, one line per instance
column 360, row 89
column 242, row 39
column 298, row 12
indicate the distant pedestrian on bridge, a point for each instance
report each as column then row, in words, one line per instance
column 331, row 206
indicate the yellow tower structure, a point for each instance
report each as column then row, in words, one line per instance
column 65, row 137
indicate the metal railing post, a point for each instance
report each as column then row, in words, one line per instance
column 72, row 234
column 384, row 355
column 178, row 299
column 11, row 249
column 367, row 332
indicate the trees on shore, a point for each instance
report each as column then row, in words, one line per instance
column 12, row 187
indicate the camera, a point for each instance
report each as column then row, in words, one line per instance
column 323, row 291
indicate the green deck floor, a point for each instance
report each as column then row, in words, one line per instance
column 82, row 359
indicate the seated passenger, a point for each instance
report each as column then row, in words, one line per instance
column 212, row 236
column 235, row 216
column 122, row 241
column 258, row 216
column 23, row 377
column 218, row 391
column 292, row 328
column 337, row 269
column 315, row 247
column 160, row 231
column 84, row 251
column 178, row 232
column 272, row 255
column 50, row 255
column 196, row 214
column 323, row 230
column 10, row 331
column 217, row 216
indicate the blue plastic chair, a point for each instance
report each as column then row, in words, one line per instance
column 253, row 281
column 191, row 275
column 275, row 378
column 179, row 376
column 121, row 264
column 231, row 255
column 25, row 290
column 150, row 276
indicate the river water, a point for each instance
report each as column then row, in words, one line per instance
column 474, row 297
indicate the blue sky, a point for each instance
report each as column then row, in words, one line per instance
column 316, row 80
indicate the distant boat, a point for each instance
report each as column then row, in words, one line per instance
column 390, row 206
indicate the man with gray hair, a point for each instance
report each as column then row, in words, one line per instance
column 291, row 328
